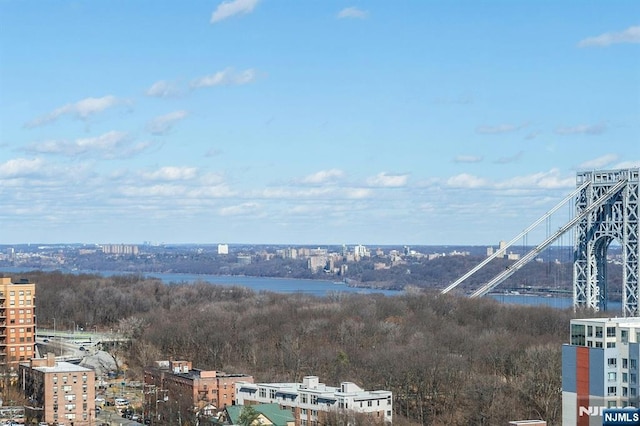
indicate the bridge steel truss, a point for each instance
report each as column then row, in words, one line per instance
column 616, row 219
column 607, row 208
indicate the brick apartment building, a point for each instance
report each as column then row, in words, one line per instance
column 179, row 381
column 60, row 392
column 17, row 321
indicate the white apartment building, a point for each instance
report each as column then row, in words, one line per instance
column 311, row 400
column 600, row 368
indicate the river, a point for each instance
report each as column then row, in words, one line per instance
column 317, row 287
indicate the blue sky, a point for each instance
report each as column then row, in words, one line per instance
column 307, row 122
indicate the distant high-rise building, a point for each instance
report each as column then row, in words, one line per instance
column 120, row 249
column 18, row 325
column 223, row 248
column 361, row 251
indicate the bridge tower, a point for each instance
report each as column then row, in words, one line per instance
column 617, row 218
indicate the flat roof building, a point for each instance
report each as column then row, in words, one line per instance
column 17, row 321
column 179, row 381
column 600, row 368
column 59, row 391
column 312, row 401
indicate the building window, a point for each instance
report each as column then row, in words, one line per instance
column 625, row 378
column 625, row 363
column 272, row 393
column 633, row 363
column 611, row 332
column 624, row 336
column 598, row 332
column 625, row 391
column 303, row 398
column 612, row 377
column 611, row 344
column 590, row 330
column 578, row 334
column 611, row 391
column 263, row 393
column 611, row 362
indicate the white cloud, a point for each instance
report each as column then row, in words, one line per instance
column 227, row 77
column 582, row 129
column 630, row 35
column 20, row 167
column 388, row 180
column 164, row 123
column 240, row 209
column 353, row 12
column 171, row 174
column 465, row 180
column 82, row 110
column 161, row 190
column 543, row 180
column 511, row 159
column 283, row 193
column 499, row 129
column 227, row 9
column 532, row 135
column 358, row 193
column 163, row 89
column 112, row 144
column 211, row 179
column 600, row 162
column 467, row 159
column 323, row 176
column 627, row 164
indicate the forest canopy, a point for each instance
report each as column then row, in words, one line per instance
column 447, row 359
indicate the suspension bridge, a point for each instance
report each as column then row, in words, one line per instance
column 606, row 209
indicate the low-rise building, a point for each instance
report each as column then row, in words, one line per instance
column 60, row 392
column 312, row 401
column 264, row 414
column 179, row 380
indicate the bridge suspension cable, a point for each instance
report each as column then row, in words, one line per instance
column 533, row 253
column 501, row 250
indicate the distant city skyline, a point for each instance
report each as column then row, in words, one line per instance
column 274, row 122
